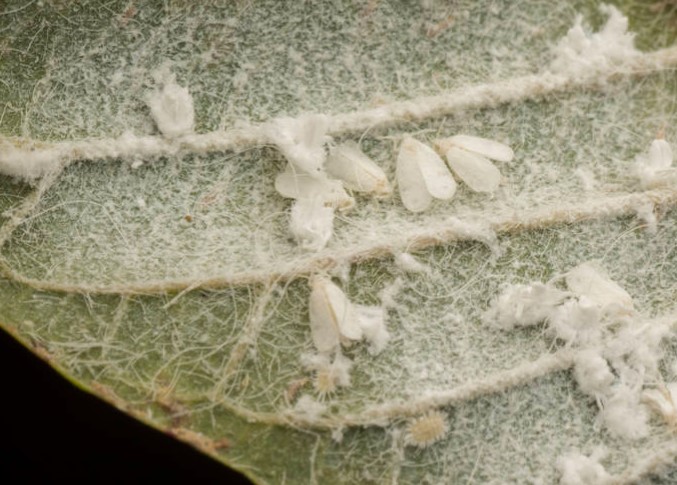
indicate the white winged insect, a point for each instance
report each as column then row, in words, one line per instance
column 333, row 319
column 653, row 166
column 357, row 171
column 591, row 282
column 296, row 184
column 422, row 176
column 301, row 140
column 468, row 157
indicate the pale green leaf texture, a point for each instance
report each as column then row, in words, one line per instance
column 172, row 287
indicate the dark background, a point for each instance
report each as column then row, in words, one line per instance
column 51, row 431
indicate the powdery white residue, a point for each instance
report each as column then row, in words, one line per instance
column 301, row 140
column 477, row 231
column 372, row 321
column 636, row 350
column 619, row 351
column 577, row 322
column 586, row 178
column 624, row 415
column 388, row 294
column 584, row 53
column 523, row 305
column 31, row 160
column 646, row 214
column 592, row 373
column 28, row 163
column 578, row 469
column 309, row 407
column 172, row 109
column 409, row 264
column 311, row 223
column 663, row 401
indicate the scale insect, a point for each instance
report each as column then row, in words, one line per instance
column 422, row 176
column 469, row 158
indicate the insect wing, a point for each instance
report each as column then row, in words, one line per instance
column 475, row 170
column 482, row 146
column 586, row 280
column 435, row 174
column 344, row 312
column 660, row 155
column 332, row 316
column 412, row 187
column 299, row 185
column 323, row 325
column 357, row 171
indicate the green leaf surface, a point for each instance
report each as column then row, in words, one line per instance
column 171, row 286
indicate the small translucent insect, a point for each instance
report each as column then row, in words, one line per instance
column 422, row 176
column 357, row 171
column 295, row 184
column 589, row 281
column 655, row 167
column 311, row 223
column 427, row 429
column 172, row 109
column 333, row 320
column 301, row 140
column 468, row 157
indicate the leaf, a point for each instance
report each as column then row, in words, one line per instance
column 160, row 273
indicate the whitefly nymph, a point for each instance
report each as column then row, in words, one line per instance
column 426, row 430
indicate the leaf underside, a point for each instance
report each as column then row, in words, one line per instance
column 174, row 290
